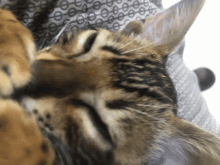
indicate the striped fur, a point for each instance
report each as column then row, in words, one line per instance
column 101, row 97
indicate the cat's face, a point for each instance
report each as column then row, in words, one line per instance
column 107, row 95
column 113, row 91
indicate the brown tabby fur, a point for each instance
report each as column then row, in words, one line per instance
column 105, row 95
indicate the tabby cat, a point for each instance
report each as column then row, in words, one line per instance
column 97, row 97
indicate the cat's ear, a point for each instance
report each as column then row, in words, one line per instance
column 166, row 29
column 133, row 28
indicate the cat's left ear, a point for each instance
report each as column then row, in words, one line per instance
column 133, row 28
column 166, row 29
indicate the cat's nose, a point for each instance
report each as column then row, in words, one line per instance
column 60, row 78
column 53, row 78
column 48, row 71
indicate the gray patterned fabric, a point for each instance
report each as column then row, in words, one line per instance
column 114, row 15
column 191, row 104
column 109, row 14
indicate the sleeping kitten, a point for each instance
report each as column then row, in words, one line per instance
column 100, row 97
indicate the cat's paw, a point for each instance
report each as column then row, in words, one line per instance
column 21, row 141
column 17, row 50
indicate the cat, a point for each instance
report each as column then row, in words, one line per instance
column 98, row 97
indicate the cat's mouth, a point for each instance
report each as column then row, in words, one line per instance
column 62, row 151
column 84, row 129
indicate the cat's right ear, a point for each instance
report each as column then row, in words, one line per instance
column 166, row 29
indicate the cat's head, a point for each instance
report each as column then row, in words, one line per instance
column 107, row 95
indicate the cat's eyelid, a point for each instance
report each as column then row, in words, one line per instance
column 87, row 45
column 89, row 42
column 111, row 49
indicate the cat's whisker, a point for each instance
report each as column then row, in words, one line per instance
column 59, row 34
column 152, row 43
column 43, row 41
column 143, row 113
column 139, row 47
column 154, row 106
column 127, row 44
column 133, row 50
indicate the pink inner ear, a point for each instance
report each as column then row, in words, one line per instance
column 168, row 28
